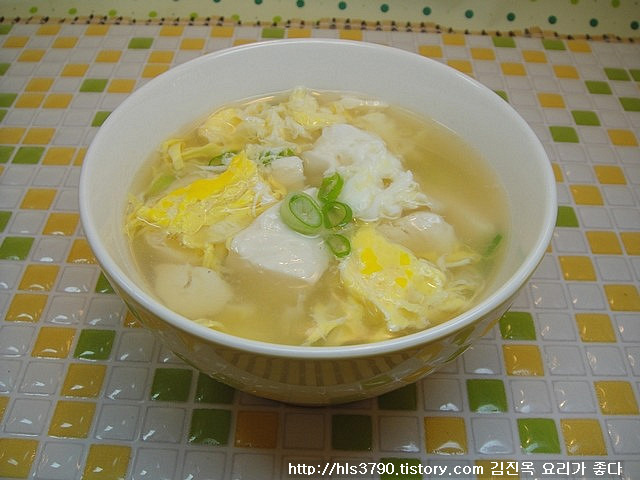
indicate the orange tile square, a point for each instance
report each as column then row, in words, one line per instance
column 74, row 70
column 31, row 55
column 350, row 34
column 615, row 397
column 38, row 136
column 38, row 198
column 463, row 66
column 602, row 242
column 83, row 380
column 453, row 39
column 39, row 85
column 577, row 268
column 445, row 435
column 583, row 436
column 72, row 419
column 108, row 56
column 256, row 429
column 121, row 85
column 478, row 53
column 58, row 100
column 171, row 30
column 595, row 327
column 431, row 51
column 586, row 195
column 96, row 30
column 222, row 31
column 61, row 224
column 15, row 42
column 513, row 68
column 29, row 100
column 565, row 71
column 58, row 156
column 534, row 56
column 192, row 44
column 37, row 277
column 623, row 138
column 81, row 253
column 65, row 42
column 298, row 32
column 11, row 134
column 580, row 46
column 631, row 242
column 26, row 307
column 53, row 342
column 153, row 70
column 106, row 462
column 161, row 56
column 610, row 174
column 522, row 360
column 623, row 298
column 48, row 30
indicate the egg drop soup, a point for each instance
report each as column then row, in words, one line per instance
column 317, row 218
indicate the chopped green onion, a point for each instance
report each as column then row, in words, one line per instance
column 338, row 244
column 269, row 156
column 493, row 245
column 330, row 188
column 222, row 159
column 336, row 214
column 301, row 213
column 160, row 184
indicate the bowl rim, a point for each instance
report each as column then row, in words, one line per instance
column 503, row 294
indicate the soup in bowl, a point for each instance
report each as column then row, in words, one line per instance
column 316, row 221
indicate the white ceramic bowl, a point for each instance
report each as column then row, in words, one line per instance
column 316, row 375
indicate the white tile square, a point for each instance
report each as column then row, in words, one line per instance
column 105, row 311
column 613, row 269
column 605, row 361
column 27, row 416
column 594, row 217
column 530, row 396
column 492, row 436
column 163, row 424
column 154, row 464
column 136, row 346
column 482, row 359
column 548, row 295
column 15, row 340
column 51, row 250
column 574, row 397
column 564, row 360
column 555, row 326
column 117, row 422
column 569, row 240
column 9, row 370
column 247, row 466
column 624, row 435
column 633, row 358
column 60, row 461
column 626, row 218
column 628, row 326
column 203, row 465
column 49, row 177
column 42, row 378
column 442, row 395
column 27, row 223
column 399, row 434
column 127, row 383
column 298, row 428
column 10, row 274
column 18, row 175
column 78, row 279
column 65, row 310
column 585, row 296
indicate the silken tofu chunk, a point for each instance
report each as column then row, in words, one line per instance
column 194, row 292
column 289, row 172
column 270, row 245
column 422, row 231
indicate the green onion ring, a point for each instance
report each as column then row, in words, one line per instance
column 301, row 213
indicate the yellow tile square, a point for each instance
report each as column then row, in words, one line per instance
column 583, row 436
column 38, row 136
column 522, row 360
column 623, row 138
column 48, row 30
column 58, row 100
column 108, row 56
column 631, row 242
column 161, row 56
column 256, row 429
column 350, row 34
column 445, row 435
column 298, row 32
column 107, row 462
column 153, row 70
column 221, row 31
column 58, row 156
column 29, row 100
column 192, row 44
column 83, row 380
column 453, row 39
column 513, row 68
column 96, row 30
column 11, row 134
column 616, row 397
column 39, row 85
column 121, row 85
column 580, row 46
column 60, row 223
column 586, row 195
column 602, row 242
column 37, row 277
column 534, row 56
column 243, row 41
column 81, row 253
column 595, row 327
column 551, row 100
column 72, row 419
column 79, row 157
column 74, row 70
column 478, row 53
column 610, row 174
column 31, row 55
column 38, row 198
column 53, row 342
column 4, row 401
column 557, row 172
column 577, row 268
column 431, row 51
column 15, row 41
column 130, row 321
column 16, row 457
column 623, row 298
column 26, row 307
column 565, row 71
column 171, row 30
column 65, row 42
column 463, row 66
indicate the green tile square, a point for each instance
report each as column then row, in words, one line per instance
column 99, row 118
column 4, row 29
column 15, row 248
column 272, row 32
column 400, row 468
column 517, row 326
column 617, row 74
column 505, row 42
column 538, row 435
column 564, row 134
column 4, row 67
column 351, row 432
column 103, row 285
column 5, row 153
column 404, row 398
column 635, row 74
column 553, row 44
column 598, row 87
column 94, row 344
column 95, row 85
column 209, row 390
column 585, row 117
column 566, row 217
column 141, row 42
column 171, row 384
column 503, row 94
column 7, row 99
column 4, row 220
column 28, row 155
column 486, row 396
column 210, row 426
column 630, row 104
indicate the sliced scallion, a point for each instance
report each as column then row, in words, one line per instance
column 338, row 244
column 222, row 159
column 300, row 212
column 330, row 188
column 160, row 184
column 336, row 214
column 493, row 245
